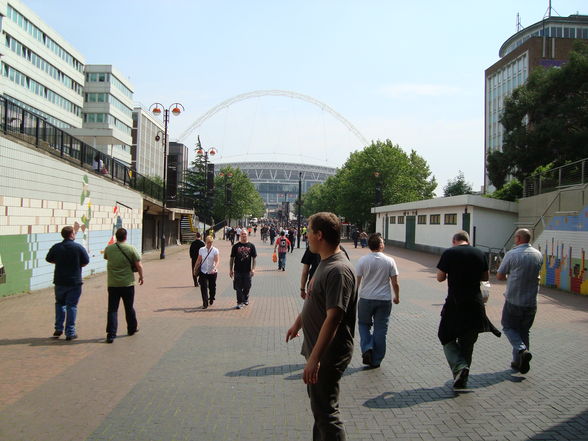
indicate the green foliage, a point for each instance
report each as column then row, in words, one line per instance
column 351, row 192
column 511, row 191
column 245, row 199
column 545, row 120
column 457, row 186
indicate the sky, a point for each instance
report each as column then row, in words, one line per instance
column 411, row 71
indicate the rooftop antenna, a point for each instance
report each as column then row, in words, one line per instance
column 548, row 12
column 519, row 25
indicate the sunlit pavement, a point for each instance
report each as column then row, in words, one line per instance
column 227, row 374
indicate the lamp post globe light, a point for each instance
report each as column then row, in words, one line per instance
column 159, row 109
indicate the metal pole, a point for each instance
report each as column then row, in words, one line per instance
column 163, row 215
column 299, row 204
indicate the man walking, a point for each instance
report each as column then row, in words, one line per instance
column 522, row 265
column 463, row 315
column 375, row 272
column 328, row 323
column 242, row 268
column 194, row 248
column 206, row 271
column 69, row 258
column 282, row 245
column 123, row 260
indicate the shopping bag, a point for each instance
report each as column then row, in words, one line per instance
column 274, row 257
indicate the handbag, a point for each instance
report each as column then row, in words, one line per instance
column 274, row 257
column 485, row 290
column 197, row 267
column 133, row 266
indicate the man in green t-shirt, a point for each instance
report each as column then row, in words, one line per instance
column 122, row 260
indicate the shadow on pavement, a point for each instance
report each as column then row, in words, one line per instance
column 414, row 397
column 176, row 287
column 573, row 428
column 348, row 371
column 48, row 341
column 260, row 370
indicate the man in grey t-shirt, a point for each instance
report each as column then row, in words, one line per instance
column 328, row 322
column 377, row 275
column 522, row 265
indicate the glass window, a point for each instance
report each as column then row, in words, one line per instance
column 422, row 219
column 392, row 219
column 450, row 219
column 400, row 219
column 434, row 219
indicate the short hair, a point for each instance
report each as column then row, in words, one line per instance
column 328, row 224
column 198, row 236
column 282, row 233
column 209, row 239
column 67, row 231
column 524, row 234
column 121, row 234
column 461, row 236
column 374, row 241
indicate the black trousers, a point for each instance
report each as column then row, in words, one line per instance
column 194, row 277
column 127, row 294
column 207, row 283
column 324, row 402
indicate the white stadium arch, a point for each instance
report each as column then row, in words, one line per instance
column 259, row 93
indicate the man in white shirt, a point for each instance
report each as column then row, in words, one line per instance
column 377, row 275
column 206, row 270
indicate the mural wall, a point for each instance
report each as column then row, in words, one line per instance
column 39, row 195
column 564, row 243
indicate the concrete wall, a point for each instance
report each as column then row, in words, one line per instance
column 40, row 194
column 493, row 228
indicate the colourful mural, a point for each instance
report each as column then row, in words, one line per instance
column 563, row 244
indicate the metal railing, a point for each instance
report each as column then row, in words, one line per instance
column 35, row 130
column 575, row 173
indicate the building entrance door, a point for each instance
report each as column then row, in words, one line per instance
column 410, row 232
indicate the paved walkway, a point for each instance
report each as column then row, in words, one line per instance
column 226, row 374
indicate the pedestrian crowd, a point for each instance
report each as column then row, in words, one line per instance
column 335, row 294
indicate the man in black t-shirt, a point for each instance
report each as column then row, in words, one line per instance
column 194, row 248
column 463, row 315
column 242, row 268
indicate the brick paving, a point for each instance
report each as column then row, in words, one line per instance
column 226, row 374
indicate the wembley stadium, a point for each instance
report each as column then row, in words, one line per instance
column 277, row 182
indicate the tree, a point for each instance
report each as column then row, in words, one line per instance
column 351, row 193
column 545, row 120
column 245, row 199
column 457, row 186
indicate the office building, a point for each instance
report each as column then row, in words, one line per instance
column 40, row 70
column 546, row 43
column 146, row 149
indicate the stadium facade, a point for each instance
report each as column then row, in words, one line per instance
column 277, row 182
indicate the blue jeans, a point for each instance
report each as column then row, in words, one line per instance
column 282, row 260
column 66, row 307
column 374, row 313
column 516, row 324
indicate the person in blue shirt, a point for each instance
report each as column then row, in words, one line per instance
column 522, row 265
column 69, row 258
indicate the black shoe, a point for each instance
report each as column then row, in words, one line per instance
column 366, row 357
column 71, row 337
column 57, row 334
column 133, row 332
column 210, row 302
column 461, row 379
column 525, row 358
column 514, row 366
column 204, row 306
column 283, row 269
column 109, row 339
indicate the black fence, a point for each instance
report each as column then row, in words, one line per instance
column 34, row 129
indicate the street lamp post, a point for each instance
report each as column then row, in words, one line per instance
column 299, row 204
column 228, row 194
column 175, row 109
column 204, row 153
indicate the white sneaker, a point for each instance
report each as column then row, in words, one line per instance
column 246, row 303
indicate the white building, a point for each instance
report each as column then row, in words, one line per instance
column 430, row 224
column 40, row 70
column 107, row 112
column 147, row 153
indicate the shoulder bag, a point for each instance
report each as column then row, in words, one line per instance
column 133, row 266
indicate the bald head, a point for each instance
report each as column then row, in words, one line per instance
column 522, row 235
